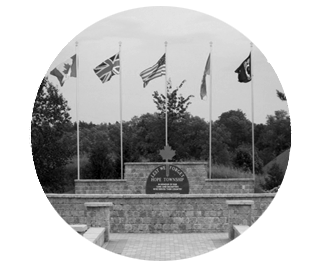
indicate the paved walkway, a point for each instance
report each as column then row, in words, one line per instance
column 164, row 247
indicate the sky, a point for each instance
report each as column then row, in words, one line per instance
column 143, row 32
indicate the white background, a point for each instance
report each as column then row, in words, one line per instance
column 33, row 236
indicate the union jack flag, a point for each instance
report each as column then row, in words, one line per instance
column 155, row 71
column 108, row 68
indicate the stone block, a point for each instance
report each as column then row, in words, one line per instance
column 166, row 214
column 166, row 227
column 98, row 215
column 158, row 227
column 189, row 213
column 197, row 227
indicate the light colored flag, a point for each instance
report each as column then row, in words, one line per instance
column 110, row 67
column 155, row 71
column 65, row 70
column 203, row 84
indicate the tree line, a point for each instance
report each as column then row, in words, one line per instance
column 54, row 143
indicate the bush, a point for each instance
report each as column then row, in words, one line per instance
column 274, row 177
column 101, row 166
column 243, row 160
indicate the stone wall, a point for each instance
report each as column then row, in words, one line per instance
column 160, row 213
column 105, row 186
column 220, row 186
column 136, row 175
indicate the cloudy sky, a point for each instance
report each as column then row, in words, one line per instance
column 188, row 33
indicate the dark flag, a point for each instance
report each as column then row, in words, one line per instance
column 244, row 70
column 110, row 67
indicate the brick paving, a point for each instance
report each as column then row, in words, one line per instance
column 165, row 247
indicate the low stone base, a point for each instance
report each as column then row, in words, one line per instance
column 193, row 213
column 136, row 175
column 98, row 215
column 95, row 235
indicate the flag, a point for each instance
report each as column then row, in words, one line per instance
column 155, row 71
column 65, row 70
column 244, row 71
column 203, row 84
column 108, row 68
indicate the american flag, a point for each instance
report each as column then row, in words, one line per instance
column 155, row 71
column 108, row 68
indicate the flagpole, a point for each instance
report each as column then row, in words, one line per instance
column 210, row 115
column 166, row 85
column 252, row 101
column 121, row 119
column 77, row 110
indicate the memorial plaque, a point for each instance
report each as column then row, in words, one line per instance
column 173, row 181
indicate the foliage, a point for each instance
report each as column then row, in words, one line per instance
column 177, row 105
column 54, row 140
column 101, row 166
column 220, row 149
column 189, row 137
column 148, row 136
column 276, row 136
column 281, row 95
column 50, row 144
column 243, row 159
column 143, row 137
column 274, row 178
column 237, row 126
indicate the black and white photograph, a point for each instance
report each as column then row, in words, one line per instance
column 162, row 134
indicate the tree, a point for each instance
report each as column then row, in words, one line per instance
column 276, row 136
column 50, row 149
column 177, row 105
column 281, row 95
column 220, row 148
column 189, row 137
column 101, row 166
column 149, row 136
column 154, row 132
column 274, row 177
column 238, row 126
column 243, row 159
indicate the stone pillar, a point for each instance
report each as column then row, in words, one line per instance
column 98, row 215
column 240, row 213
